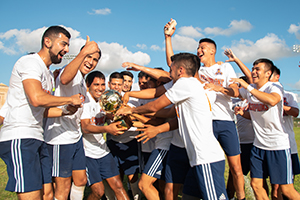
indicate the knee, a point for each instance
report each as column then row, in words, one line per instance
column 97, row 193
column 236, row 170
column 255, row 186
column 81, row 181
column 168, row 190
column 142, row 186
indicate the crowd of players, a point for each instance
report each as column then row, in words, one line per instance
column 52, row 135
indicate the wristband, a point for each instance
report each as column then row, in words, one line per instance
column 65, row 110
column 250, row 88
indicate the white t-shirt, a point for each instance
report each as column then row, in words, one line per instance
column 4, row 109
column 267, row 120
column 23, row 120
column 177, row 139
column 244, row 126
column 65, row 130
column 195, row 121
column 94, row 143
column 290, row 99
column 219, row 75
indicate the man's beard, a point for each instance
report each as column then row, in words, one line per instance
column 54, row 58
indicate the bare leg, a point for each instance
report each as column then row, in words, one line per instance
column 62, row 187
column 146, row 186
column 117, row 186
column 237, row 174
column 34, row 195
column 258, row 187
column 172, row 191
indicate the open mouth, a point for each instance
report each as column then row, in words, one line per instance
column 88, row 66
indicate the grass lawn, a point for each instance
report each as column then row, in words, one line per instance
column 8, row 195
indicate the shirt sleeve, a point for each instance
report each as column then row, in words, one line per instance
column 178, row 92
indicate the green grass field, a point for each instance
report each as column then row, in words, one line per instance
column 8, row 195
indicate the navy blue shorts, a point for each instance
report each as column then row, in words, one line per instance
column 245, row 157
column 100, row 169
column 155, row 166
column 28, row 164
column 295, row 164
column 177, row 165
column 206, row 181
column 66, row 158
column 126, row 155
column 276, row 164
column 226, row 134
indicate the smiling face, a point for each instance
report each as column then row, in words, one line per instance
column 58, row 47
column 127, row 83
column 116, row 84
column 205, row 51
column 97, row 88
column 89, row 63
column 259, row 73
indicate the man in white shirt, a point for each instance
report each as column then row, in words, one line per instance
column 271, row 154
column 100, row 162
column 291, row 109
column 28, row 99
column 124, row 146
column 62, row 134
column 195, row 125
column 217, row 77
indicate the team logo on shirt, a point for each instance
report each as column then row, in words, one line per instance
column 258, row 107
column 222, row 197
column 285, row 101
column 210, row 80
column 218, row 72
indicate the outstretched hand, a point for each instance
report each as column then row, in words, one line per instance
column 149, row 133
column 230, row 55
column 131, row 66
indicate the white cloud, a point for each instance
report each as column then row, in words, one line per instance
column 183, row 43
column 141, row 46
column 104, row 11
column 190, row 31
column 113, row 54
column 270, row 47
column 155, row 48
column 234, row 28
column 294, row 29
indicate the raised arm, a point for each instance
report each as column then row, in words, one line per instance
column 244, row 68
column 149, row 93
column 168, row 42
column 157, row 74
column 71, row 69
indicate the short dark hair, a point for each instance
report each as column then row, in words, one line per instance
column 54, row 31
column 143, row 74
column 208, row 40
column 127, row 73
column 276, row 71
column 116, row 75
column 269, row 65
column 189, row 61
column 91, row 76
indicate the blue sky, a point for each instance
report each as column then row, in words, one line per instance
column 133, row 31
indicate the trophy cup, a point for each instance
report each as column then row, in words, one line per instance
column 110, row 101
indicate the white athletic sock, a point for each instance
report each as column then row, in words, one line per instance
column 136, row 193
column 76, row 192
